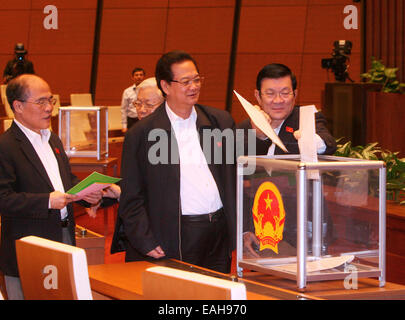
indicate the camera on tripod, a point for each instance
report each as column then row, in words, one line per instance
column 340, row 54
column 20, row 51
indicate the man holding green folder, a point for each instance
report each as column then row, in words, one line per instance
column 34, row 177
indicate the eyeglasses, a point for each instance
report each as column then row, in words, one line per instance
column 186, row 83
column 43, row 101
column 139, row 104
column 283, row 94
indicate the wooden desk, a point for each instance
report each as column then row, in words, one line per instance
column 124, row 281
column 82, row 167
column 85, row 166
column 368, row 288
column 93, row 243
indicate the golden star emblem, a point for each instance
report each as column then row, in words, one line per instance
column 268, row 202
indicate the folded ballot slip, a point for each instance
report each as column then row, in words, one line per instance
column 260, row 121
column 92, row 183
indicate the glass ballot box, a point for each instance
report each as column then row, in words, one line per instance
column 84, row 131
column 313, row 221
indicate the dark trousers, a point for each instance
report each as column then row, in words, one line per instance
column 206, row 243
column 131, row 122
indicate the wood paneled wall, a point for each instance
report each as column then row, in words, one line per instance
column 63, row 56
column 385, row 34
column 298, row 33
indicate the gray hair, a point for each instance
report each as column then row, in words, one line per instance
column 148, row 83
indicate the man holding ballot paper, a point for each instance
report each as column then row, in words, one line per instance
column 35, row 176
column 276, row 92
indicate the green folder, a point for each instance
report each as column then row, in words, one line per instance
column 95, row 177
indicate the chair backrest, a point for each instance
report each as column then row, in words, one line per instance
column 51, row 270
column 162, row 283
column 55, row 110
column 81, row 99
column 114, row 118
column 7, row 123
column 9, row 112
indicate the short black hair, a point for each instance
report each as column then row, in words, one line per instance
column 17, row 89
column 275, row 71
column 138, row 69
column 163, row 69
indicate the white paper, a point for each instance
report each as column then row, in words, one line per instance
column 260, row 121
column 307, row 141
column 317, row 265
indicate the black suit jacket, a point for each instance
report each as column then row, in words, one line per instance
column 149, row 207
column 290, row 125
column 24, row 194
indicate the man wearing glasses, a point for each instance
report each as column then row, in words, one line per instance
column 276, row 93
column 183, row 208
column 34, row 176
column 149, row 97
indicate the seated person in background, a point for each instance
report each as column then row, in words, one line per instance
column 276, row 93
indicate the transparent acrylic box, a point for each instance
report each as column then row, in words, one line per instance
column 84, row 131
column 311, row 221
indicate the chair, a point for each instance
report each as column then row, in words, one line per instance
column 81, row 99
column 162, row 283
column 51, row 270
column 55, row 110
column 114, row 118
column 7, row 123
column 9, row 112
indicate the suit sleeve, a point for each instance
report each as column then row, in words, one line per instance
column 16, row 200
column 323, row 132
column 132, row 209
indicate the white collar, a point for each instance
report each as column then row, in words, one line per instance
column 32, row 135
column 175, row 118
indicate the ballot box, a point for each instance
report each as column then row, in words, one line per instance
column 311, row 221
column 84, row 131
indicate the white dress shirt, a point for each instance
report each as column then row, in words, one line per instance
column 127, row 107
column 40, row 142
column 320, row 144
column 198, row 190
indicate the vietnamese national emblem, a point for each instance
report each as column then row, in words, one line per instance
column 268, row 216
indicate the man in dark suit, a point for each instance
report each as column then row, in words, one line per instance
column 276, row 93
column 34, row 175
column 176, row 201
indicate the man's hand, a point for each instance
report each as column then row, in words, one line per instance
column 297, row 134
column 250, row 240
column 259, row 133
column 124, row 130
column 93, row 198
column 112, row 191
column 156, row 253
column 59, row 200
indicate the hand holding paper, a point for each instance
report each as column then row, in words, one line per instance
column 93, row 183
column 260, row 121
column 306, row 141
